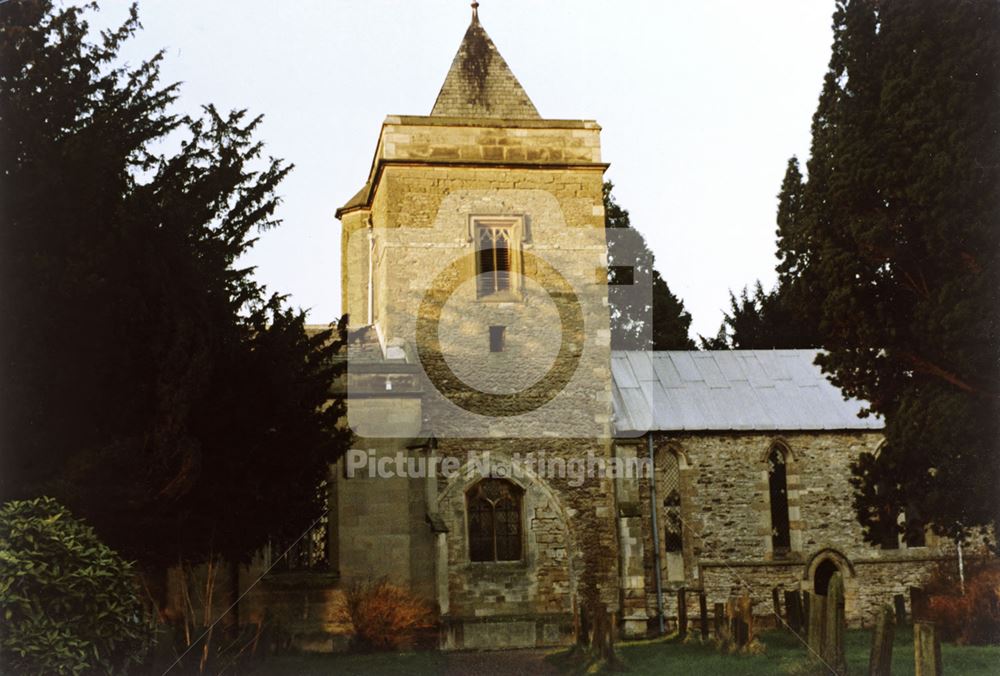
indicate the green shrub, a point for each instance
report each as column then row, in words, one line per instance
column 69, row 602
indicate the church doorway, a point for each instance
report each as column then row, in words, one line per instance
column 821, row 578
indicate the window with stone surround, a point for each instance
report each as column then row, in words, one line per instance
column 309, row 550
column 497, row 243
column 673, row 536
column 494, row 510
column 777, row 479
column 895, row 528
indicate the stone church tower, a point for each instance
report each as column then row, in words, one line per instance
column 474, row 275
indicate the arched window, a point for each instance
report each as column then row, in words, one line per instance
column 494, row 521
column 673, row 535
column 777, row 479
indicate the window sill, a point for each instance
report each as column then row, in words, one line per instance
column 319, row 577
column 504, row 297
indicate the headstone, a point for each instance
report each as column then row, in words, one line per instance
column 682, row 613
column 918, row 605
column 776, row 602
column 899, row 602
column 703, row 612
column 793, row 610
column 880, row 658
column 926, row 649
column 834, row 627
column 817, row 618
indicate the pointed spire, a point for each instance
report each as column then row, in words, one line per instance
column 480, row 83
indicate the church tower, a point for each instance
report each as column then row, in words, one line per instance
column 474, row 274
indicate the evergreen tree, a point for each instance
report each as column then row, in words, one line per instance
column 766, row 320
column 892, row 242
column 656, row 321
column 149, row 381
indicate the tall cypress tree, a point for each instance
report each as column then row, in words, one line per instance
column 893, row 242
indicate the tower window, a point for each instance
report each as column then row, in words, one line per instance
column 493, row 259
column 494, row 507
column 498, row 338
column 777, row 479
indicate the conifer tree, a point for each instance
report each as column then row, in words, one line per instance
column 892, row 242
column 149, row 381
column 664, row 324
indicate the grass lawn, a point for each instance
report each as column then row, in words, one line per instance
column 383, row 664
column 784, row 654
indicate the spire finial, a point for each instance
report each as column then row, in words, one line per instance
column 475, row 11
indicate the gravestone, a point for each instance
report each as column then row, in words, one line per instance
column 880, row 658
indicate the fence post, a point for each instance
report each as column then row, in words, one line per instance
column 806, row 613
column 776, row 602
column 926, row 649
column 880, row 658
column 719, row 617
column 793, row 610
column 899, row 601
column 833, row 641
column 682, row 614
column 703, row 612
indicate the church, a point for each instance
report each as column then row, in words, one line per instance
column 496, row 431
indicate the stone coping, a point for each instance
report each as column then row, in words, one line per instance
column 440, row 121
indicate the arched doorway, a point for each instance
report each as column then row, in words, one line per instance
column 821, row 578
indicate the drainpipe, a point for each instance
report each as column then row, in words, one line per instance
column 656, row 533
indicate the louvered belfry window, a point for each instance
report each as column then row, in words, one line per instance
column 494, row 507
column 493, row 260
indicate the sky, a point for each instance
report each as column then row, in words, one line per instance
column 701, row 104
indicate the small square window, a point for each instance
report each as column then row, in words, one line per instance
column 621, row 275
column 498, row 338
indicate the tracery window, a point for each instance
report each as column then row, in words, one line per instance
column 494, row 259
column 494, row 507
column 777, row 479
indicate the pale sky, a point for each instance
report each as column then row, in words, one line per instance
column 701, row 104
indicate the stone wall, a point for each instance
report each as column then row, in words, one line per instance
column 726, row 511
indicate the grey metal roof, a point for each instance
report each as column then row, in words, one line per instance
column 729, row 390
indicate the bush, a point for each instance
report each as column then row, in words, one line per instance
column 69, row 602
column 384, row 616
column 972, row 618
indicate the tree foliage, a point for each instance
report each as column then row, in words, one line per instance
column 150, row 382
column 890, row 248
column 765, row 320
column 645, row 314
column 70, row 604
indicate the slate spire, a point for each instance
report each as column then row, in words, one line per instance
column 480, row 83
